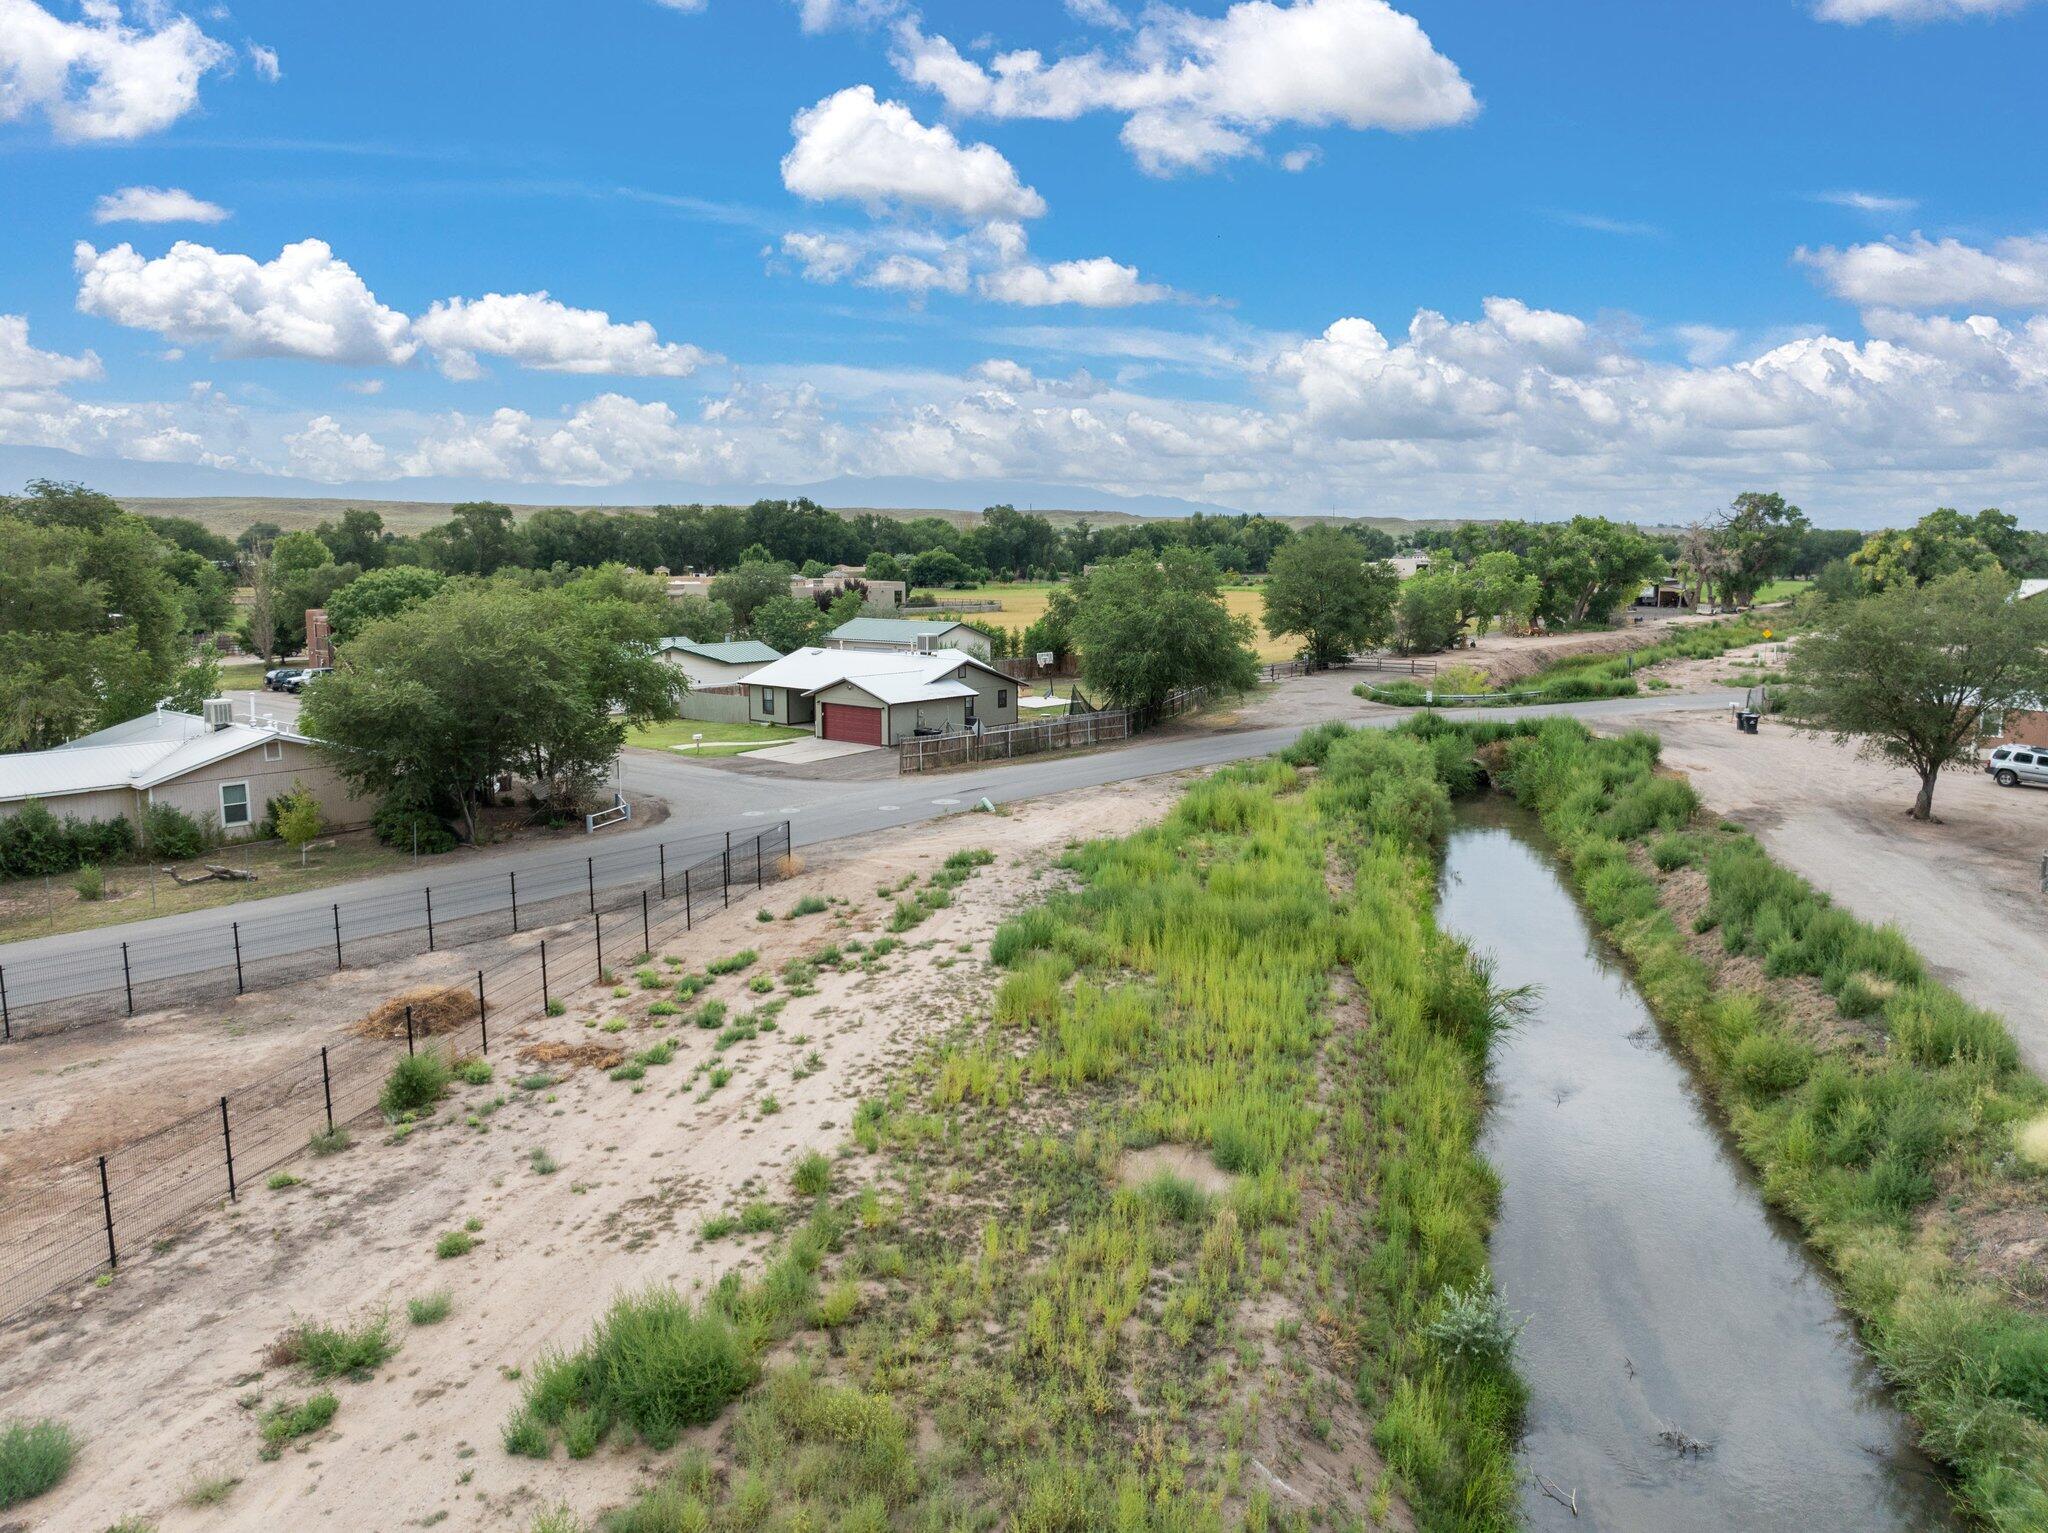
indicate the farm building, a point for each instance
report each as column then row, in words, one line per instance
column 880, row 697
column 215, row 770
column 909, row 636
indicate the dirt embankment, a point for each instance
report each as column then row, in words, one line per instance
column 165, row 1372
column 1507, row 658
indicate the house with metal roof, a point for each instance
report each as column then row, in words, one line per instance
column 216, row 770
column 881, row 697
column 910, row 636
column 716, row 665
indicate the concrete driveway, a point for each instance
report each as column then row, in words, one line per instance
column 804, row 752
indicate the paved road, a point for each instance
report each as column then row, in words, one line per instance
column 706, row 802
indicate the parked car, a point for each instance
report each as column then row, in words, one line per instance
column 296, row 682
column 2018, row 766
column 274, row 680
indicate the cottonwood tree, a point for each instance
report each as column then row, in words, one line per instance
column 1321, row 588
column 491, row 679
column 1911, row 671
column 1150, row 625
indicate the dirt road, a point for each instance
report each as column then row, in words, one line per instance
column 1965, row 890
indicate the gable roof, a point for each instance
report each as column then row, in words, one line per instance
column 905, row 687
column 161, row 724
column 897, row 630
column 141, row 764
column 730, row 652
column 813, row 669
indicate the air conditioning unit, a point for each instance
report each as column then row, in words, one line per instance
column 924, row 644
column 219, row 712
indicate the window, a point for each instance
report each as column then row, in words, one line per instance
column 1002, row 697
column 273, row 750
column 767, row 699
column 234, row 804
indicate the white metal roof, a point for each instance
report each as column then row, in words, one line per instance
column 907, row 689
column 81, row 768
column 161, row 724
column 808, row 670
column 2031, row 588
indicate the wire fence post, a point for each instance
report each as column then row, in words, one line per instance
column 646, row 930
column 327, row 1089
column 430, row 919
column 661, row 852
column 337, row 936
column 515, row 900
column 228, row 1139
column 408, row 1031
column 590, row 881
column 236, row 928
column 546, row 1005
column 597, row 942
column 686, row 899
column 6, row 1016
column 127, row 979
column 107, row 1212
column 725, row 871
column 483, row 1012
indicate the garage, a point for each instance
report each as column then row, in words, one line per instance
column 852, row 723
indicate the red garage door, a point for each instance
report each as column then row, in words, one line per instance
column 853, row 723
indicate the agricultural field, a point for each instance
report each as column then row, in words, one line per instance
column 1024, row 604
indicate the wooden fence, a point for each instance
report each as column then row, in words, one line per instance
column 1006, row 742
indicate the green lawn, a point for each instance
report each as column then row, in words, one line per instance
column 241, row 675
column 1782, row 590
column 719, row 739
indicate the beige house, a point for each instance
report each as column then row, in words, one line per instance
column 219, row 772
column 882, row 595
column 881, row 697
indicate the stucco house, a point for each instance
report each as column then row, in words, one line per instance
column 716, row 665
column 880, row 697
column 910, row 636
column 216, row 770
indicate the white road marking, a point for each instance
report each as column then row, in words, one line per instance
column 945, row 801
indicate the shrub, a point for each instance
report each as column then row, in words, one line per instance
column 809, row 905
column 332, row 1142
column 812, row 1177
column 1935, row 1027
column 34, row 1455
column 33, row 844
column 1678, row 851
column 284, row 1423
column 431, row 1309
column 415, row 1082
column 454, row 1243
column 399, row 820
column 474, row 1071
column 89, row 882
column 1768, row 1063
column 732, row 963
column 329, row 1351
column 1473, row 1323
column 168, row 833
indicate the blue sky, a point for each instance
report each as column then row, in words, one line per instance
column 1480, row 258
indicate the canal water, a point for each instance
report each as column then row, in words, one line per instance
column 1659, row 1293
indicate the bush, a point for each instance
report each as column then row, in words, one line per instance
column 34, row 1455
column 100, row 841
column 415, row 1082
column 1768, row 1063
column 432, row 1309
column 813, row 1175
column 398, row 819
column 90, row 882
column 453, row 1244
column 328, row 1351
column 170, row 834
column 33, row 844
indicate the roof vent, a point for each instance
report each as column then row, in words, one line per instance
column 219, row 713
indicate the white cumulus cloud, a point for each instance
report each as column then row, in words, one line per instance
column 305, row 303
column 25, row 368
column 1919, row 273
column 853, row 147
column 535, row 331
column 156, row 205
column 326, row 451
column 99, row 77
column 1096, row 283
column 1195, row 90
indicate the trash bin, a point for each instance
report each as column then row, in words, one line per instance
column 1746, row 722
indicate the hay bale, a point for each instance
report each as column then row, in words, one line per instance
column 435, row 1009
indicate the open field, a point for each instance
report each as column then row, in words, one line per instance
column 718, row 739
column 1024, row 604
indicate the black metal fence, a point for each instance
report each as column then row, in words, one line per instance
column 117, row 979
column 86, row 1218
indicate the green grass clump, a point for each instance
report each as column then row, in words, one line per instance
column 710, row 1014
column 809, row 905
column 285, row 1423
column 335, row 1351
column 34, row 1456
column 732, row 963
column 416, row 1082
column 812, row 1176
column 474, row 1071
column 453, row 1244
column 430, row 1309
column 278, row 1181
column 331, row 1142
column 536, row 1082
column 655, row 1365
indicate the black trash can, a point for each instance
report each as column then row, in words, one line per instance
column 1746, row 722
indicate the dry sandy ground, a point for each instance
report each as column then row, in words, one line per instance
column 163, row 1372
column 1506, row 657
column 1965, row 890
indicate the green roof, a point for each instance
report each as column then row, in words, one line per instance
column 898, row 630
column 731, row 652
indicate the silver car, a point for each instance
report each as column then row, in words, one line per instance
column 2015, row 766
